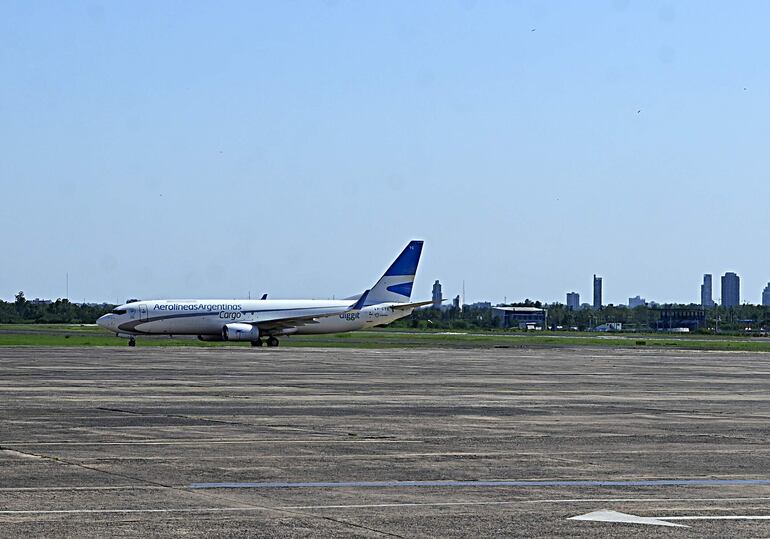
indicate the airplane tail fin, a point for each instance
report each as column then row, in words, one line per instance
column 395, row 286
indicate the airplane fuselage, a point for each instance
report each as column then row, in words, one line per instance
column 207, row 318
column 251, row 320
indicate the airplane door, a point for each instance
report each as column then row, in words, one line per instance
column 143, row 312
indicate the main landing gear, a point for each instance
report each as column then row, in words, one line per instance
column 271, row 341
column 131, row 341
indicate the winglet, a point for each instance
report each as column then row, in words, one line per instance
column 358, row 305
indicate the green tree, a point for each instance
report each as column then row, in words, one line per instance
column 21, row 303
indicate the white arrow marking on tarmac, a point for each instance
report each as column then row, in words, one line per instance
column 615, row 516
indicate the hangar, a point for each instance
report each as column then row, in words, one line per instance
column 520, row 317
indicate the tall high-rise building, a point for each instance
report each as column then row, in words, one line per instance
column 437, row 294
column 573, row 300
column 706, row 295
column 731, row 290
column 597, row 292
column 766, row 296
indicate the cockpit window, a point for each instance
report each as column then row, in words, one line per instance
column 119, row 311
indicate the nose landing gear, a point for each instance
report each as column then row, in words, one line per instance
column 131, row 341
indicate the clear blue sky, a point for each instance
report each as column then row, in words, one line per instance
column 205, row 149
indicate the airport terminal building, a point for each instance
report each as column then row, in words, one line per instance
column 673, row 318
column 520, row 317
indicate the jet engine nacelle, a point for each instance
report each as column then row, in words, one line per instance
column 240, row 332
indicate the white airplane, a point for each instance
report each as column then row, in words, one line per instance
column 251, row 320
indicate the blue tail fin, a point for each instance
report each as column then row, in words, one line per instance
column 395, row 286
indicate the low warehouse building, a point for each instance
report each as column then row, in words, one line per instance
column 520, row 317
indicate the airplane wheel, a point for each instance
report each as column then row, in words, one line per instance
column 131, row 342
column 272, row 341
column 256, row 343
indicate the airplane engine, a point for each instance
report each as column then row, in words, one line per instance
column 240, row 332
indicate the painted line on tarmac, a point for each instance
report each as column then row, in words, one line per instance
column 96, row 488
column 524, row 502
column 394, row 505
column 719, row 517
column 223, row 442
column 440, row 484
column 111, row 511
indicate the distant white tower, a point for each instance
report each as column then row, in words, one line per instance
column 437, row 295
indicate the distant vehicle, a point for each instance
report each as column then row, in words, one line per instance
column 253, row 320
column 610, row 326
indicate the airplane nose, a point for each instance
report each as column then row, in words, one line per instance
column 104, row 321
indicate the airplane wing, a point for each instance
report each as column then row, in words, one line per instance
column 291, row 321
column 286, row 323
column 295, row 320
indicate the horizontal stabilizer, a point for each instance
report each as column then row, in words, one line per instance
column 404, row 306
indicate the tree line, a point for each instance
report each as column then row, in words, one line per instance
column 647, row 318
column 642, row 318
column 61, row 311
